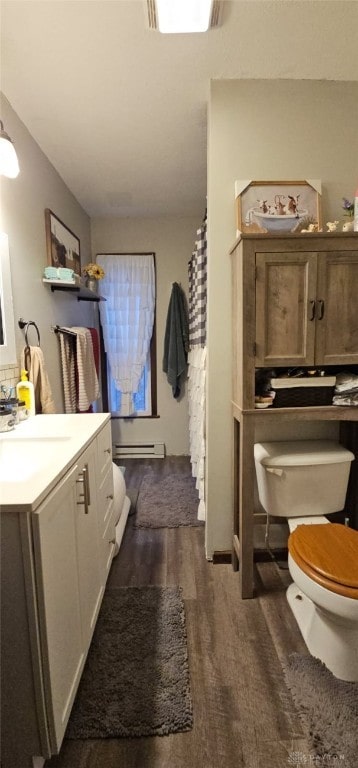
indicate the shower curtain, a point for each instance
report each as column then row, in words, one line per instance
column 197, row 269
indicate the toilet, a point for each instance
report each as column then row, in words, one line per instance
column 121, row 503
column 303, row 481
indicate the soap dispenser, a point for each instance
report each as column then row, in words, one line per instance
column 25, row 392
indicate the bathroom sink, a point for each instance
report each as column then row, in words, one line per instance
column 24, row 441
column 23, row 457
column 38, row 453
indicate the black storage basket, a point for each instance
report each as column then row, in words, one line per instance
column 300, row 397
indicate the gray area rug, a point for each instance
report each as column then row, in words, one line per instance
column 167, row 503
column 136, row 677
column 132, row 494
column 328, row 709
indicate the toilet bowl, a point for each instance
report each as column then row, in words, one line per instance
column 121, row 504
column 295, row 478
column 323, row 563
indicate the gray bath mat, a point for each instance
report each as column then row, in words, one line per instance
column 136, row 678
column 328, row 708
column 167, row 503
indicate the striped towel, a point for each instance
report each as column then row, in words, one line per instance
column 68, row 361
column 96, row 355
column 87, row 380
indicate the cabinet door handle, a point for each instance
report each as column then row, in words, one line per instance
column 313, row 309
column 107, row 450
column 320, row 303
column 86, row 489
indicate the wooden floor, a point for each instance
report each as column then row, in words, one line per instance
column 244, row 716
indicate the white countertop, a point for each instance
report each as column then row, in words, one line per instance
column 38, row 452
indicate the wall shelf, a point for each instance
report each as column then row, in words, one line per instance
column 83, row 293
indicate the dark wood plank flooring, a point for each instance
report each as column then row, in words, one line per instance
column 244, row 716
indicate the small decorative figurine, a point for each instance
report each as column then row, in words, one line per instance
column 348, row 226
column 311, row 228
column 332, row 226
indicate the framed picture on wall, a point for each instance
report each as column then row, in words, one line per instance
column 63, row 246
column 278, row 207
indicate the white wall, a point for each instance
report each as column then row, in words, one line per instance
column 172, row 241
column 262, row 129
column 23, row 203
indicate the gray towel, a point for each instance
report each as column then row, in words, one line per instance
column 176, row 339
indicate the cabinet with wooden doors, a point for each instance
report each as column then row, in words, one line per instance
column 294, row 303
column 306, row 308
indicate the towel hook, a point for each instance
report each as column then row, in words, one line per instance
column 26, row 324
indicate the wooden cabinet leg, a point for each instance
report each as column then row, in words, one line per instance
column 349, row 438
column 246, row 511
column 235, row 480
column 243, row 477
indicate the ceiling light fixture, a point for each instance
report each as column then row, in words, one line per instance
column 178, row 16
column 9, row 164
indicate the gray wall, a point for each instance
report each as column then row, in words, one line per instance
column 262, row 129
column 23, row 203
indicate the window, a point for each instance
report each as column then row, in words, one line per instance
column 142, row 399
column 128, row 328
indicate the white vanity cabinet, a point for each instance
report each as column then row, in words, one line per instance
column 66, row 553
column 106, row 521
column 53, row 581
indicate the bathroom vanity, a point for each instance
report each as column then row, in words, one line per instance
column 57, row 544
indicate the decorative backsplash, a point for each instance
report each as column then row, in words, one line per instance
column 9, row 376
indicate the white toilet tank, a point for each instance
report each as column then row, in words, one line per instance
column 302, row 477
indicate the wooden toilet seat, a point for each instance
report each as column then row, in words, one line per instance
column 328, row 554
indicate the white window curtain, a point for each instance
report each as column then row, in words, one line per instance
column 127, row 318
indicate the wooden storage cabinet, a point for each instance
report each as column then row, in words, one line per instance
column 294, row 303
column 285, row 291
column 337, row 289
column 306, row 309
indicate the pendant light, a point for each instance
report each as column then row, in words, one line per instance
column 9, row 164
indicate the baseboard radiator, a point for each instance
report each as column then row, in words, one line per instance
column 139, row 450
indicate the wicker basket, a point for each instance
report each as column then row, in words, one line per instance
column 304, row 392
